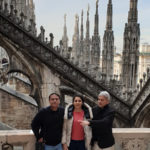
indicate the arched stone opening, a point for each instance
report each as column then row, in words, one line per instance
column 143, row 119
column 4, row 65
column 68, row 93
column 20, row 63
column 17, row 107
column 146, row 122
column 20, row 82
column 16, row 111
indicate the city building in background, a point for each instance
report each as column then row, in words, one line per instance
column 144, row 60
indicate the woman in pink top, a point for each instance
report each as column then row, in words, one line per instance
column 76, row 137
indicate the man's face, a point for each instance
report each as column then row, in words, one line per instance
column 54, row 101
column 102, row 101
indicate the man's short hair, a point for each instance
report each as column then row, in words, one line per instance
column 54, row 94
column 105, row 94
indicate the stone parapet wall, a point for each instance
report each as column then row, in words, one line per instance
column 20, row 85
column 21, row 139
column 132, row 138
column 126, row 138
column 15, row 112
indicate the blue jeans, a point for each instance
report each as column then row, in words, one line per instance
column 77, row 145
column 57, row 147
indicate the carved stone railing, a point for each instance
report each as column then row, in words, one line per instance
column 17, row 139
column 140, row 99
column 30, row 45
column 125, row 139
column 132, row 138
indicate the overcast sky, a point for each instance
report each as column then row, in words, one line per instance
column 50, row 14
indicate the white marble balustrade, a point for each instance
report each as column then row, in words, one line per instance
column 126, row 139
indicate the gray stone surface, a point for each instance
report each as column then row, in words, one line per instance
column 5, row 127
column 19, row 95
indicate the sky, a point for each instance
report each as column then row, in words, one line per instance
column 50, row 14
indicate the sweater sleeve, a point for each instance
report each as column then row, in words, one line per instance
column 36, row 125
column 64, row 138
column 103, row 123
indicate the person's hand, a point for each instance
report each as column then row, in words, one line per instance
column 65, row 147
column 84, row 122
column 40, row 140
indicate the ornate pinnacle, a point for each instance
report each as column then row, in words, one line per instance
column 97, row 3
column 65, row 19
column 82, row 13
column 77, row 17
column 88, row 9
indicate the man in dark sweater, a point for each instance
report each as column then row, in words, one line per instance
column 101, row 124
column 48, row 123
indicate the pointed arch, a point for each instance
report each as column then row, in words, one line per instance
column 143, row 119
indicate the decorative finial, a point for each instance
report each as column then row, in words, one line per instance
column 82, row 13
column 97, row 2
column 97, row 6
column 77, row 17
column 88, row 8
column 65, row 17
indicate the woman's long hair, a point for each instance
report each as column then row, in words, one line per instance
column 80, row 96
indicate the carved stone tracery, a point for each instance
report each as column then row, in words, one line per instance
column 134, row 144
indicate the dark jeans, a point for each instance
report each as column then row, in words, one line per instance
column 77, row 145
column 57, row 147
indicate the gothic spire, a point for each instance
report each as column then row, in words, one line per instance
column 81, row 38
column 133, row 13
column 88, row 24
column 65, row 28
column 75, row 40
column 95, row 51
column 130, row 55
column 108, row 46
column 96, row 32
column 109, row 16
column 76, row 29
column 65, row 39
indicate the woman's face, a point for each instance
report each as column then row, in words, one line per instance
column 77, row 102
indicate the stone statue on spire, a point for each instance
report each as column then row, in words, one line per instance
column 65, row 18
column 95, row 50
column 97, row 1
column 82, row 13
column 64, row 50
column 77, row 17
column 88, row 9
